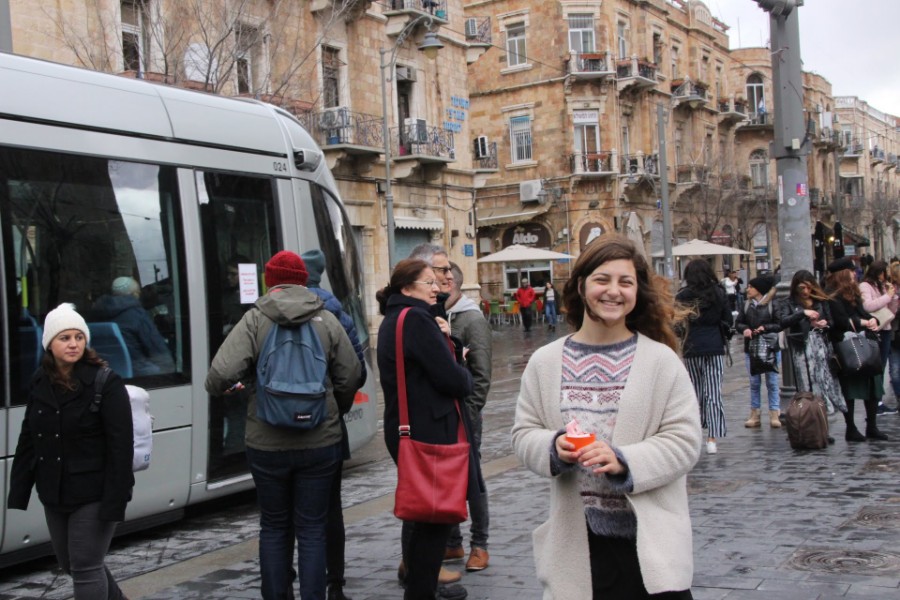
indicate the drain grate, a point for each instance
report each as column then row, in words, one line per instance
column 876, row 516
column 852, row 562
column 882, row 465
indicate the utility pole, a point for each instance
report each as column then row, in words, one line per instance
column 664, row 194
column 791, row 144
column 5, row 27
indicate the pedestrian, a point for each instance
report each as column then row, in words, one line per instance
column 619, row 525
column 894, row 359
column 878, row 295
column 293, row 469
column 434, row 380
column 805, row 317
column 730, row 283
column 76, row 453
column 704, row 344
column 756, row 317
column 335, row 533
column 474, row 332
column 550, row 307
column 525, row 296
column 849, row 315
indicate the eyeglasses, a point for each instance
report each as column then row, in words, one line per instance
column 444, row 270
column 431, row 283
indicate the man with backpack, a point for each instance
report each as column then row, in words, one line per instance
column 303, row 374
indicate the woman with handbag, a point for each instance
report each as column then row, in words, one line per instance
column 879, row 299
column 849, row 316
column 619, row 526
column 434, row 381
column 805, row 317
column 705, row 344
column 894, row 359
column 757, row 323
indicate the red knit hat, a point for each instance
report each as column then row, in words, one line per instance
column 286, row 267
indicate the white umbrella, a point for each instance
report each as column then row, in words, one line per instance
column 701, row 248
column 634, row 233
column 519, row 253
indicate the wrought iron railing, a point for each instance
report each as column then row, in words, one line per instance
column 877, row 154
column 437, row 8
column 691, row 173
column 332, row 127
column 690, row 90
column 760, row 118
column 590, row 62
column 632, row 67
column 640, row 164
column 422, row 140
column 592, row 162
column 854, row 149
column 488, row 162
column 478, row 30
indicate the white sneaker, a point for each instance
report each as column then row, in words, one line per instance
column 711, row 448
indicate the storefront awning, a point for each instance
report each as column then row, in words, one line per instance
column 854, row 239
column 418, row 223
column 509, row 214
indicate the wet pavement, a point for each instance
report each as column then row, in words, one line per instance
column 769, row 522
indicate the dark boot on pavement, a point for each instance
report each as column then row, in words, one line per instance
column 873, row 433
column 451, row 592
column 336, row 592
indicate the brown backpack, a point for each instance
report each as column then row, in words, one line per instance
column 806, row 421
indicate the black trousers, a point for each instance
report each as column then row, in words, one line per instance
column 616, row 573
column 424, row 545
column 335, row 537
column 526, row 312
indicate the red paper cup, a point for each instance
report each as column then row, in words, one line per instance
column 581, row 441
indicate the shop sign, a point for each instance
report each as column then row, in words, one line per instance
column 585, row 116
column 721, row 237
column 527, row 234
column 589, row 233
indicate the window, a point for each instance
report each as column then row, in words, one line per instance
column 756, row 95
column 247, row 59
column 720, row 84
column 331, row 69
column 657, row 48
column 587, row 135
column 622, row 39
column 674, row 62
column 520, row 139
column 581, row 33
column 759, row 168
column 135, row 35
column 515, row 45
column 104, row 235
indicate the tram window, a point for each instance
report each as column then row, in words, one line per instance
column 237, row 220
column 106, row 236
column 338, row 243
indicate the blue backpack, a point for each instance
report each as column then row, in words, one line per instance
column 290, row 378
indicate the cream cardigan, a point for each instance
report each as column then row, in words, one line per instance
column 657, row 431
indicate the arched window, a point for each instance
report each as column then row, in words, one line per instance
column 759, row 168
column 756, row 98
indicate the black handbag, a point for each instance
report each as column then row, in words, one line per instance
column 763, row 350
column 859, row 355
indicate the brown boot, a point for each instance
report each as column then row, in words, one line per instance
column 774, row 422
column 754, row 420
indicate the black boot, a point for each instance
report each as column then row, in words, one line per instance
column 852, row 434
column 336, row 592
column 872, row 432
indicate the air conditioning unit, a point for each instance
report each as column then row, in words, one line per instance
column 406, row 73
column 471, row 28
column 481, row 147
column 416, row 130
column 528, row 190
column 334, row 118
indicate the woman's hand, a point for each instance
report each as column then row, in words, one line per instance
column 443, row 324
column 600, row 457
column 748, row 334
column 821, row 324
column 871, row 324
column 566, row 450
column 812, row 314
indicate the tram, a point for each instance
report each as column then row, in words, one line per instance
column 109, row 183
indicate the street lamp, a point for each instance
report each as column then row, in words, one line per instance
column 429, row 46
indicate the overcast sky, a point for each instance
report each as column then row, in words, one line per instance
column 853, row 44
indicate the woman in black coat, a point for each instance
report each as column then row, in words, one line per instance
column 846, row 306
column 434, row 381
column 76, row 453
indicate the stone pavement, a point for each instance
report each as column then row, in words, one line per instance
column 769, row 522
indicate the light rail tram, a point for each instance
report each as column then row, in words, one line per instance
column 140, row 202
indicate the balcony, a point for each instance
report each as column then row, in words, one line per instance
column 854, row 150
column 827, row 139
column 691, row 174
column 593, row 165
column 732, row 110
column 891, row 162
column 640, row 164
column 401, row 12
column 350, row 12
column 418, row 146
column 689, row 94
column 635, row 75
column 758, row 120
column 478, row 37
column 591, row 65
column 876, row 156
column 486, row 160
column 854, row 202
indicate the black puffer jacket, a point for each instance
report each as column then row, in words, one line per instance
column 705, row 332
column 753, row 315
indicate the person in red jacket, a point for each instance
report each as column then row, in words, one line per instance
column 525, row 297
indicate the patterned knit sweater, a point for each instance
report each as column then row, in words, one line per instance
column 593, row 377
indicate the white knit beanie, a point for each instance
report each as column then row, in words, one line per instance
column 61, row 318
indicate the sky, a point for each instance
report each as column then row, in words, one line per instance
column 852, row 43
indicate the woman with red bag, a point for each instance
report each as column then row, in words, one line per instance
column 434, row 381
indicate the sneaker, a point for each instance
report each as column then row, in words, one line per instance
column 478, row 560
column 711, row 448
column 884, row 409
column 454, row 553
column 451, row 592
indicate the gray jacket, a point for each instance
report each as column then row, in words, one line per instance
column 469, row 325
column 236, row 361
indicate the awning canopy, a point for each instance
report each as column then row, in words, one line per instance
column 510, row 214
column 855, row 239
column 418, row 223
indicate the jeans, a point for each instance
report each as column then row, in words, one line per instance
column 550, row 312
column 292, row 489
column 80, row 541
column 478, row 506
column 894, row 361
column 884, row 344
column 771, row 386
column 336, row 534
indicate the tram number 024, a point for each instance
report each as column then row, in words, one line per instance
column 280, row 167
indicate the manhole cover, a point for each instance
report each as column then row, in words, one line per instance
column 712, row 486
column 875, row 516
column 882, row 465
column 858, row 562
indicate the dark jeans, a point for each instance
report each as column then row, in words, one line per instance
column 335, row 534
column 292, row 489
column 526, row 312
column 478, row 507
column 423, row 545
column 616, row 573
column 80, row 541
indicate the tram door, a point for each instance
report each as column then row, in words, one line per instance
column 237, row 219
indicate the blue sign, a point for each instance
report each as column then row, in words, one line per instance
column 468, row 250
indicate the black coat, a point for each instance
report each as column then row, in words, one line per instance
column 705, row 332
column 795, row 322
column 753, row 317
column 845, row 313
column 72, row 455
